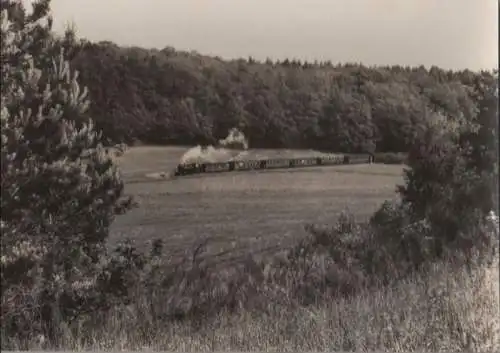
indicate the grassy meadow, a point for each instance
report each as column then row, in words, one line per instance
column 254, row 305
column 258, row 212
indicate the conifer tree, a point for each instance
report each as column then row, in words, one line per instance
column 60, row 188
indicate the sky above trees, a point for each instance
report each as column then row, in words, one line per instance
column 454, row 34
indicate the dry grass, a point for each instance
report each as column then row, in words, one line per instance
column 446, row 310
column 248, row 212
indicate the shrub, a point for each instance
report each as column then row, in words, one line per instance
column 450, row 187
column 390, row 158
column 452, row 177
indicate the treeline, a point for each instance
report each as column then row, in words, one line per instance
column 173, row 97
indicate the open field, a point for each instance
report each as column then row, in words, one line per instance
column 255, row 212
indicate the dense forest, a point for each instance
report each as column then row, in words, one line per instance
column 174, row 97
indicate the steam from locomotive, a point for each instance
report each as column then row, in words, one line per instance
column 232, row 147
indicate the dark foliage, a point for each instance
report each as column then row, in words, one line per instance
column 173, row 97
column 452, row 179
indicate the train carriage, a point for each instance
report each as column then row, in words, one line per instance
column 339, row 159
column 359, row 158
column 309, row 161
column 247, row 165
column 255, row 164
column 240, row 165
column 333, row 160
column 304, row 162
column 216, row 167
column 276, row 163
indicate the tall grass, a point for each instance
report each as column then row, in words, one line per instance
column 444, row 309
column 310, row 298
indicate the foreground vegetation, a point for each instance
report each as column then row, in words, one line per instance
column 417, row 276
column 280, row 306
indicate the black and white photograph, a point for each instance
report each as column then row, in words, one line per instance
column 249, row 175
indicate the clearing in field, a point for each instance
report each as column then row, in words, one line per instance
column 254, row 212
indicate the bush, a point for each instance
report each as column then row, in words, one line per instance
column 390, row 158
column 448, row 192
column 452, row 177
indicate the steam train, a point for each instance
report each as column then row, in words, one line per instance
column 197, row 168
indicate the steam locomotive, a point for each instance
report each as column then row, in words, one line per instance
column 197, row 168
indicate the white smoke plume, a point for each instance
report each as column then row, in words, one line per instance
column 234, row 146
column 234, row 140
